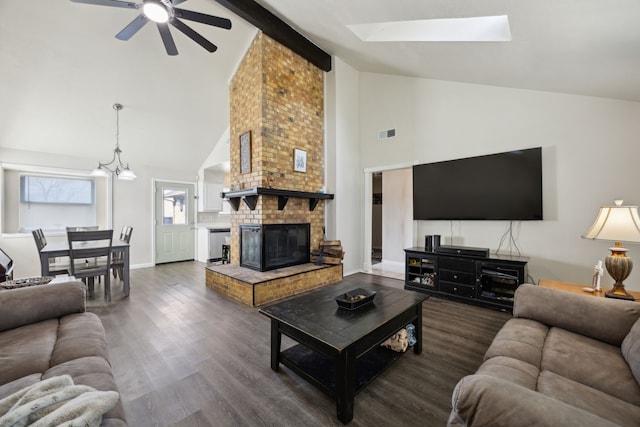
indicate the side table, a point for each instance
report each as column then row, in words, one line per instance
column 578, row 288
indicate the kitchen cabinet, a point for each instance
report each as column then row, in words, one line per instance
column 203, row 244
column 212, row 199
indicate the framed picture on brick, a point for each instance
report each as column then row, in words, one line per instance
column 245, row 152
column 299, row 160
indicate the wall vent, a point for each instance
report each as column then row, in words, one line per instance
column 386, row 134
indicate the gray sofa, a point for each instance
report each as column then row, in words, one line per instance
column 564, row 359
column 45, row 332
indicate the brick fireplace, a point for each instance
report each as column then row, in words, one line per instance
column 276, row 107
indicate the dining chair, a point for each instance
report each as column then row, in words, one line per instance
column 83, row 228
column 91, row 245
column 56, row 265
column 117, row 261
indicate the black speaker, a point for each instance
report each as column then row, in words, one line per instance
column 436, row 241
column 428, row 243
column 463, row 250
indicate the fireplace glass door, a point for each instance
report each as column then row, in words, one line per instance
column 250, row 242
column 270, row 246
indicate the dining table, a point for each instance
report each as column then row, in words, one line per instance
column 61, row 249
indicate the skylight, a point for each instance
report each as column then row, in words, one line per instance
column 477, row 29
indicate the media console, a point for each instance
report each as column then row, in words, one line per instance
column 490, row 280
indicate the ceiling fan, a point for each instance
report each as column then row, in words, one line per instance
column 163, row 13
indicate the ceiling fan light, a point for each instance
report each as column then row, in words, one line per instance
column 156, row 11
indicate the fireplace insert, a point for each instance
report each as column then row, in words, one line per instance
column 266, row 247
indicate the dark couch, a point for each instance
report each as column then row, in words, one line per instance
column 564, row 359
column 46, row 332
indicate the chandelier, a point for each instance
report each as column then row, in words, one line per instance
column 121, row 170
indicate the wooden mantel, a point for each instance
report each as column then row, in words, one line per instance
column 250, row 197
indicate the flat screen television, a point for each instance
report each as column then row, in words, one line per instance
column 503, row 186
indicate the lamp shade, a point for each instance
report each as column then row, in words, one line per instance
column 100, row 172
column 616, row 223
column 127, row 175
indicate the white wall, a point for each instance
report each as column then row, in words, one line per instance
column 132, row 205
column 590, row 154
column 344, row 177
column 219, row 154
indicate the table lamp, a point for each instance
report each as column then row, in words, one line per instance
column 618, row 223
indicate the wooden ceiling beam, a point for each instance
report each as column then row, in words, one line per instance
column 279, row 30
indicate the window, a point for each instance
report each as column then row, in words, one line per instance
column 54, row 190
column 53, row 202
column 174, row 210
column 51, row 199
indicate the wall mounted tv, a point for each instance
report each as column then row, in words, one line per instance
column 503, row 186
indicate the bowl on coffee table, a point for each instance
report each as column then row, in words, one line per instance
column 355, row 299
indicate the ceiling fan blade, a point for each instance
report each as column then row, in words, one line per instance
column 167, row 39
column 112, row 3
column 133, row 27
column 216, row 21
column 189, row 32
column 177, row 2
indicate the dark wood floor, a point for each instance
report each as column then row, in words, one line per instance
column 184, row 355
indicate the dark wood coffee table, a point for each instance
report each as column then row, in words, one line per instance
column 339, row 350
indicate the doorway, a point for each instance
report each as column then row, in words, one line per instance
column 389, row 221
column 376, row 218
column 174, row 221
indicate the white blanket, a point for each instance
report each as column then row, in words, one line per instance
column 56, row 401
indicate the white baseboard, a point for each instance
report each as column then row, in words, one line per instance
column 349, row 273
column 137, row 266
column 394, row 264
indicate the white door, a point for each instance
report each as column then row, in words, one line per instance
column 175, row 222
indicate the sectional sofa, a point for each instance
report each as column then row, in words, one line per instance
column 46, row 334
column 564, row 359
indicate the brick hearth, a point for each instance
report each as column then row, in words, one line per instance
column 257, row 288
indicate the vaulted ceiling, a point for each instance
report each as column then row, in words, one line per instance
column 588, row 47
column 63, row 69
